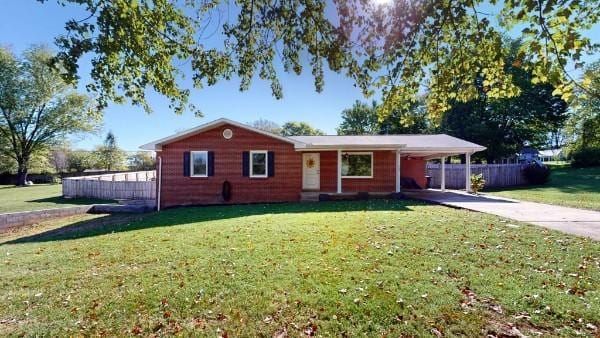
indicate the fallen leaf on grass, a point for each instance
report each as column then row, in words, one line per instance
column 281, row 333
column 137, row 330
column 496, row 308
column 310, row 330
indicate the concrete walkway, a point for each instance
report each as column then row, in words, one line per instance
column 568, row 220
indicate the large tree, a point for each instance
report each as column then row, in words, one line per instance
column 394, row 47
column 80, row 160
column 37, row 108
column 296, row 128
column 583, row 127
column 109, row 156
column 361, row 119
column 413, row 119
column 366, row 119
column 505, row 125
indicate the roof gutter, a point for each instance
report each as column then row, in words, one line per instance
column 313, row 147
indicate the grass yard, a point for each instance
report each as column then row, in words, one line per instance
column 331, row 269
column 36, row 197
column 571, row 187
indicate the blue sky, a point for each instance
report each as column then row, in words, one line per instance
column 26, row 22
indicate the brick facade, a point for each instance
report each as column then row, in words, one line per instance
column 286, row 185
column 178, row 189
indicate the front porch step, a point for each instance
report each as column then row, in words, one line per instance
column 309, row 196
column 315, row 196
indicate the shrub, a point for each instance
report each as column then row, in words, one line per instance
column 536, row 174
column 589, row 157
column 477, row 183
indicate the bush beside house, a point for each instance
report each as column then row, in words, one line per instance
column 536, row 174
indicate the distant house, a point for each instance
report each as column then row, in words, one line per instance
column 551, row 155
column 229, row 162
column 528, row 155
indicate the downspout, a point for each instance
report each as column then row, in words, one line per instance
column 159, row 183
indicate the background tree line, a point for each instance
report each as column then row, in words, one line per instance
column 61, row 158
column 538, row 116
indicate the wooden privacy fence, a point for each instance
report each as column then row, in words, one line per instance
column 495, row 175
column 140, row 185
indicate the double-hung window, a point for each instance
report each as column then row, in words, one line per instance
column 357, row 165
column 258, row 163
column 199, row 163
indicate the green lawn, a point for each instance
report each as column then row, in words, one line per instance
column 578, row 188
column 36, row 197
column 363, row 268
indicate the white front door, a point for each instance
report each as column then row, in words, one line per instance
column 311, row 171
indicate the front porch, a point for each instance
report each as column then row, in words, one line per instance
column 317, row 196
column 328, row 174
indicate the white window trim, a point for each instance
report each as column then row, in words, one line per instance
column 205, row 152
column 359, row 153
column 252, row 152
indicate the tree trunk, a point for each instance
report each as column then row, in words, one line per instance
column 21, row 177
column 22, row 174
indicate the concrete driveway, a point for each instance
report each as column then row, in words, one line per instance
column 568, row 220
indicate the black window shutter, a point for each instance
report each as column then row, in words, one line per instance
column 211, row 163
column 246, row 163
column 186, row 163
column 271, row 162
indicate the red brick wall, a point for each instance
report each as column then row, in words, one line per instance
column 384, row 176
column 180, row 190
column 414, row 168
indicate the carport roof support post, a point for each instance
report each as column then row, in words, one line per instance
column 468, row 172
column 443, row 173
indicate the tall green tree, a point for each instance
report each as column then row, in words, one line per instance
column 296, row 128
column 583, row 127
column 365, row 119
column 403, row 120
column 504, row 125
column 360, row 119
column 79, row 160
column 37, row 108
column 393, row 48
column 109, row 156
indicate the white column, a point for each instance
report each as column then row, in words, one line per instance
column 443, row 174
column 398, row 166
column 468, row 172
column 339, row 172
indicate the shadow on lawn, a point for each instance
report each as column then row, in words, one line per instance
column 183, row 215
column 75, row 201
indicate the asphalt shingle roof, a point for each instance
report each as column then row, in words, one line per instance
column 410, row 141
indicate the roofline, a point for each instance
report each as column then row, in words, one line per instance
column 312, row 147
column 302, row 146
column 401, row 147
column 157, row 145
